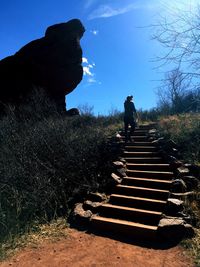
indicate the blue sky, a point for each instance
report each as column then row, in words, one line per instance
column 117, row 45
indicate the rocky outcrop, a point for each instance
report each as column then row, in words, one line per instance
column 52, row 62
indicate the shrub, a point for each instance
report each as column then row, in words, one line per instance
column 47, row 160
column 185, row 131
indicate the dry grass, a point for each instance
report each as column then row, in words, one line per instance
column 193, row 247
column 48, row 161
column 34, row 237
column 184, row 129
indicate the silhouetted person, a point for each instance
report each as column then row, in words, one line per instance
column 129, row 118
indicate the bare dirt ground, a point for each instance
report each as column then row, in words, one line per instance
column 88, row 250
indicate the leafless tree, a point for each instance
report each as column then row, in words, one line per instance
column 181, row 38
column 172, row 91
column 180, row 35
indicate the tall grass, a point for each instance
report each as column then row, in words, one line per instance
column 48, row 161
column 184, row 129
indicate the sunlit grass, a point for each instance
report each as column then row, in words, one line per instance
column 184, row 129
column 34, row 236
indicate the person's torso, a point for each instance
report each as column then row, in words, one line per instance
column 129, row 109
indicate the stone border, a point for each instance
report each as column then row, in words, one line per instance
column 175, row 220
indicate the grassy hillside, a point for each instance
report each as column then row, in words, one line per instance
column 48, row 161
column 185, row 131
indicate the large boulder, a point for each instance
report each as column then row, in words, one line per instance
column 53, row 62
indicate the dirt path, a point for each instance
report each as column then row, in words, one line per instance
column 87, row 250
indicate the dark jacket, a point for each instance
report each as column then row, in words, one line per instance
column 129, row 109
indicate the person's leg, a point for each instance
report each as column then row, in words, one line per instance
column 126, row 129
column 132, row 123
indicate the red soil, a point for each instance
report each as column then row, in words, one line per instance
column 88, row 250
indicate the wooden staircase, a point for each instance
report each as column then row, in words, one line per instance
column 136, row 205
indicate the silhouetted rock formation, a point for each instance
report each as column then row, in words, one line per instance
column 52, row 62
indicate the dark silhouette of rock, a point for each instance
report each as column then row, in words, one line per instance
column 72, row 112
column 53, row 62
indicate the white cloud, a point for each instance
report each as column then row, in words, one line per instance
column 91, row 80
column 89, row 3
column 86, row 71
column 84, row 60
column 106, row 11
column 95, row 32
column 87, row 67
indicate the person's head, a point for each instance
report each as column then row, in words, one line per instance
column 129, row 98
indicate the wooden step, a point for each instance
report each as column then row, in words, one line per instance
column 137, row 138
column 148, row 126
column 128, row 154
column 148, row 166
column 136, row 132
column 139, row 143
column 147, row 182
column 137, row 202
column 144, row 192
column 130, row 214
column 135, row 148
column 150, row 174
column 147, row 160
column 131, row 229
